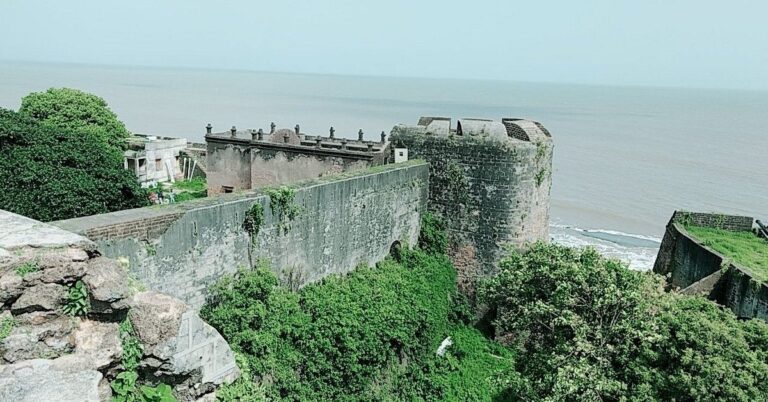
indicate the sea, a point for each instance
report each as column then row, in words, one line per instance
column 624, row 159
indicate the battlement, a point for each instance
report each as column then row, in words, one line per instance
column 285, row 138
column 507, row 129
column 246, row 159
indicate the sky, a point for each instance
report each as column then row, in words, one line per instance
column 681, row 43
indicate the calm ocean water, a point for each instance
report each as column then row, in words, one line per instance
column 625, row 158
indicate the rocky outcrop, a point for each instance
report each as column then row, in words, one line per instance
column 181, row 347
column 46, row 354
column 42, row 380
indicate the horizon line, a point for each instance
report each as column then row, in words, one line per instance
column 404, row 77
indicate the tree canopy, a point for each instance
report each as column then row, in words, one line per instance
column 78, row 111
column 589, row 328
column 51, row 172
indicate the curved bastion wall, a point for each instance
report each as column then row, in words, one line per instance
column 491, row 182
column 694, row 268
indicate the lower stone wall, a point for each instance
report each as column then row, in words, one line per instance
column 697, row 269
column 343, row 221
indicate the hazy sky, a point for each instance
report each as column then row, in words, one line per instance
column 697, row 43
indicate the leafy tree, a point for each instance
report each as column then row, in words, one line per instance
column 588, row 328
column 702, row 353
column 50, row 173
column 78, row 111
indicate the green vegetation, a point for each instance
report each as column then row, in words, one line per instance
column 744, row 248
column 6, row 326
column 567, row 324
column 190, row 189
column 50, row 173
column 125, row 384
column 588, row 328
column 253, row 220
column 432, row 237
column 449, row 187
column 282, row 203
column 77, row 111
column 78, row 303
column 27, row 268
column 372, row 335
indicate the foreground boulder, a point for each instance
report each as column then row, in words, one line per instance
column 46, row 355
column 42, row 380
column 178, row 345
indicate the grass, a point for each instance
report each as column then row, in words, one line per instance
column 191, row 189
column 744, row 248
column 194, row 184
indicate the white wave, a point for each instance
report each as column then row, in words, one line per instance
column 638, row 257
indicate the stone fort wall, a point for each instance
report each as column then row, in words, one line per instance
column 490, row 186
column 343, row 221
column 697, row 269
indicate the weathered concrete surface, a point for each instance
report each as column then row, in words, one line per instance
column 19, row 231
column 343, row 221
column 493, row 189
column 698, row 269
column 43, row 380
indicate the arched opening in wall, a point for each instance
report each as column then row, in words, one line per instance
column 396, row 250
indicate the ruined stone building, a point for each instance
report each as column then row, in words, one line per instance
column 154, row 159
column 246, row 159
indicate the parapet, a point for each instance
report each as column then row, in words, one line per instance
column 506, row 129
column 296, row 141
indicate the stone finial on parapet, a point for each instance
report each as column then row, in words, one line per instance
column 343, row 143
column 319, row 140
column 297, row 128
column 286, row 137
column 332, row 131
column 360, row 135
column 233, row 131
column 208, row 128
column 383, row 137
column 272, row 127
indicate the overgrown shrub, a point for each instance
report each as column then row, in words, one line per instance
column 50, row 173
column 588, row 328
column 345, row 336
column 433, row 238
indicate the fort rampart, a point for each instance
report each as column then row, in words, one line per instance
column 342, row 221
column 489, row 180
column 695, row 268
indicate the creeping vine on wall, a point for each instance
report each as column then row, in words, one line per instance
column 254, row 217
column 540, row 176
column 282, row 204
column 449, row 187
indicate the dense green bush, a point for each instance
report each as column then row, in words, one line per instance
column 571, row 325
column 588, row 328
column 77, row 111
column 50, row 173
column 433, row 238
